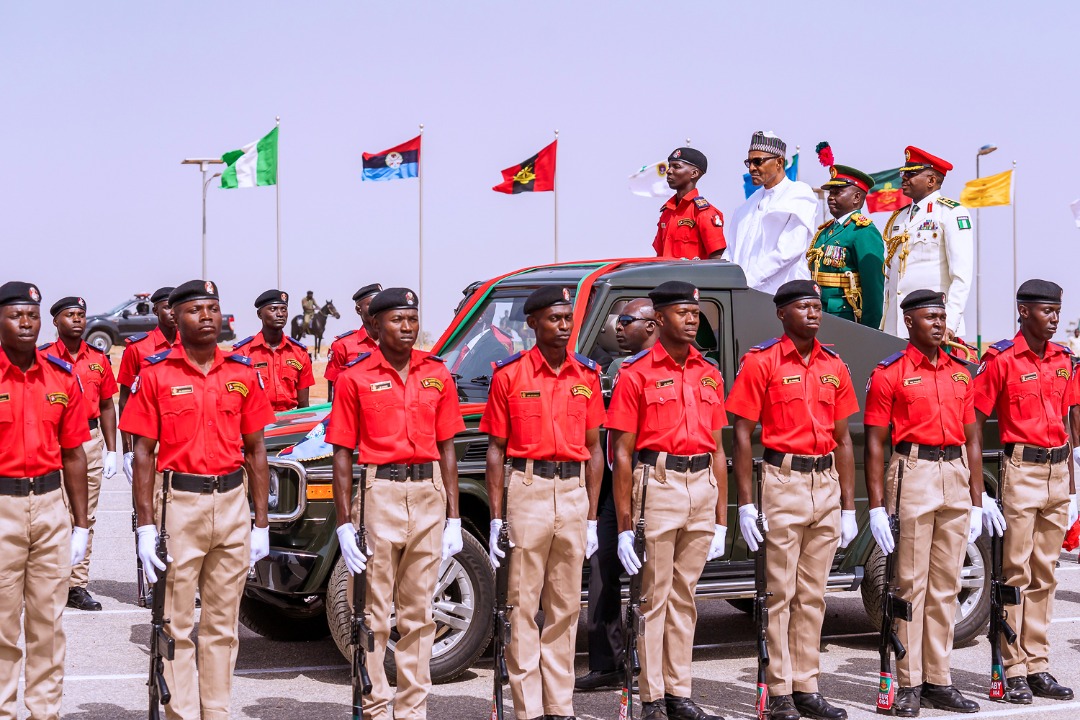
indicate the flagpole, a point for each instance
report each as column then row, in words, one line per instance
column 277, row 193
column 555, row 194
column 1013, row 198
column 420, row 243
column 797, row 165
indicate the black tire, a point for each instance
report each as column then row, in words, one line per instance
column 745, row 605
column 457, row 645
column 100, row 339
column 277, row 623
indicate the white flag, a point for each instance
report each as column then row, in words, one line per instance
column 1075, row 207
column 651, row 181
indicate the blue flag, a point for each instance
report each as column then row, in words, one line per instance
column 792, row 171
column 396, row 163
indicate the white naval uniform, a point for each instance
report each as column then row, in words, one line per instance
column 929, row 245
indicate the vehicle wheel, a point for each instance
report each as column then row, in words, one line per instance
column 277, row 623
column 101, row 340
column 973, row 602
column 745, row 605
column 463, row 602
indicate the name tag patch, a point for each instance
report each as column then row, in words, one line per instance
column 913, row 381
column 961, row 377
column 380, row 386
column 237, row 387
column 709, row 382
column 58, row 398
column 530, row 393
column 294, row 363
column 182, row 390
column 831, row 380
column 581, row 390
column 432, row 383
column 261, row 365
column 665, row 383
column 1029, row 376
column 792, row 379
column 5, row 397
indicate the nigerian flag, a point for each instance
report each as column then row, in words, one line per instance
column 253, row 165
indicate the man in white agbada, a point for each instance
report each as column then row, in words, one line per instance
column 773, row 228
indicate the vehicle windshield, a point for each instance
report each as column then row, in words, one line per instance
column 121, row 307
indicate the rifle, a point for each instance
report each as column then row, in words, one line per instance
column 893, row 608
column 1001, row 595
column 139, row 578
column 634, row 623
column 761, row 610
column 501, row 634
column 360, row 635
column 162, row 644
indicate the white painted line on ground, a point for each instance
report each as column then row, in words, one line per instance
column 1040, row 708
column 753, row 643
column 123, row 611
column 245, row 671
column 1066, row 620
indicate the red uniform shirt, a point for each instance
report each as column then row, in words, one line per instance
column 41, row 411
column 689, row 229
column 1030, row 395
column 285, row 369
column 94, row 369
column 671, row 408
column 139, row 347
column 197, row 419
column 390, row 421
column 797, row 403
column 544, row 415
column 344, row 350
column 925, row 403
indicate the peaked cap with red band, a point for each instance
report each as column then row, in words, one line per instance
column 916, row 159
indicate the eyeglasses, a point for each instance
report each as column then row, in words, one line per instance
column 625, row 320
column 912, row 173
column 759, row 161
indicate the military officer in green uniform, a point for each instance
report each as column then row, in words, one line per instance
column 847, row 254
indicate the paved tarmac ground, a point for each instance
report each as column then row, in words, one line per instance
column 107, row 658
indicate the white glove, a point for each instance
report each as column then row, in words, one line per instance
column 451, row 538
column 993, row 520
column 260, row 544
column 1072, row 511
column 627, row 556
column 719, row 543
column 748, row 526
column 79, row 539
column 355, row 559
column 879, row 528
column 129, row 459
column 591, row 541
column 494, row 553
column 147, row 549
column 108, row 464
column 975, row 523
column 849, row 528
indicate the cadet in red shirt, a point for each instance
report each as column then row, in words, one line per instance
column 94, row 370
column 283, row 363
column 206, row 412
column 348, row 345
column 43, row 426
column 801, row 392
column 543, row 415
column 1026, row 381
column 689, row 227
column 668, row 406
column 397, row 408
column 926, row 395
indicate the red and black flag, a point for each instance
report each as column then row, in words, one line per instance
column 537, row 174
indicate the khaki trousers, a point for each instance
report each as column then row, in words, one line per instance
column 680, row 512
column 404, row 522
column 35, row 534
column 94, row 447
column 934, row 510
column 209, row 542
column 803, row 514
column 1036, row 506
column 547, row 528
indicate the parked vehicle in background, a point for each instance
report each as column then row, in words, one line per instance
column 131, row 317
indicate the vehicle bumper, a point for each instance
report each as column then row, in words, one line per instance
column 283, row 571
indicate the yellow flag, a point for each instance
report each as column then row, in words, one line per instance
column 987, row 191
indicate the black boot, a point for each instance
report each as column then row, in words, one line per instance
column 1017, row 691
column 908, row 702
column 654, row 710
column 686, row 709
column 80, row 599
column 597, row 680
column 946, row 697
column 1042, row 685
column 813, row 705
column 782, row 707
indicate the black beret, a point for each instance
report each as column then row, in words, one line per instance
column 64, row 303
column 394, row 299
column 193, row 290
column 922, row 299
column 1039, row 291
column 673, row 292
column 794, row 290
column 690, row 155
column 161, row 295
column 545, row 297
column 19, row 293
column 271, row 297
column 363, row 292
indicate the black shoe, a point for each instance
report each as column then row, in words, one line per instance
column 1017, row 691
column 655, row 710
column 946, row 697
column 679, row 708
column 198, row 601
column 1044, row 685
column 80, row 599
column 559, row 717
column 907, row 702
column 597, row 680
column 782, row 707
column 813, row 705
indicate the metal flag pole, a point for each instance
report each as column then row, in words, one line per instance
column 1012, row 179
column 796, row 161
column 277, row 194
column 555, row 193
column 984, row 150
column 420, row 239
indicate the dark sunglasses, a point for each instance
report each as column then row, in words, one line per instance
column 758, row 161
column 912, row 173
column 625, row 320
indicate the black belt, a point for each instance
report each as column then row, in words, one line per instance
column 24, row 486
column 676, row 463
column 1040, row 455
column 400, row 472
column 549, row 469
column 934, row 453
column 799, row 463
column 206, row 484
column 94, row 422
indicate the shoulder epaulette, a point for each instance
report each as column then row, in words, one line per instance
column 829, row 350
column 1064, row 348
column 634, row 358
column 948, row 202
column 507, row 360
column 711, row 361
column 296, row 342
column 158, row 357
column 43, row 348
column 1000, row 346
column 243, row 342
column 701, row 203
column 861, row 220
column 891, row 359
column 137, row 337
column 436, row 358
column 825, row 224
column 587, row 362
column 237, row 357
column 357, row 359
column 347, row 333
column 62, row 364
column 765, row 345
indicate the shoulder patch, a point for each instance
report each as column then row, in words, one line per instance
column 137, row 337
column 765, row 345
column 297, row 343
column 861, row 220
column 357, row 359
column 62, row 364
column 507, row 360
column 243, row 342
column 158, row 357
column 347, row 333
column 948, row 202
column 701, row 203
column 634, row 358
column 891, row 359
column 830, row 351
column 825, row 224
column 236, row 357
column 587, row 362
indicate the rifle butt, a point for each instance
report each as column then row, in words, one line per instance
column 886, row 692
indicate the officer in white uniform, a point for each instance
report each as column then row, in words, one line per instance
column 929, row 244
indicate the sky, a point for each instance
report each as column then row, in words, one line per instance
column 101, row 102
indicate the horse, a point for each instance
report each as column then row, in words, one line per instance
column 318, row 324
